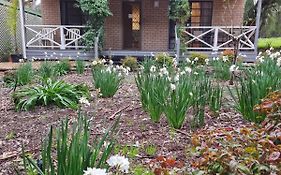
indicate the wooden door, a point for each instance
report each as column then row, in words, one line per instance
column 131, row 25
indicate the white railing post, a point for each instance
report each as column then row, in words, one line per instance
column 96, row 47
column 178, row 49
column 22, row 25
column 62, row 38
column 216, row 36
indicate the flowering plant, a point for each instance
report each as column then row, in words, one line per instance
column 107, row 79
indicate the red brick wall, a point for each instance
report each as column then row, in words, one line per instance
column 51, row 12
column 228, row 13
column 113, row 26
column 154, row 26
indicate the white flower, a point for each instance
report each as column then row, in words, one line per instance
column 233, row 68
column 196, row 73
column 182, row 73
column 177, row 78
column 216, row 58
column 278, row 62
column 103, row 61
column 119, row 162
column 191, row 94
column 164, row 71
column 225, row 58
column 21, row 60
column 207, row 61
column 83, row 100
column 95, row 171
column 173, row 86
column 188, row 60
column 196, row 59
column 94, row 63
column 128, row 68
column 110, row 62
column 152, row 69
column 188, row 69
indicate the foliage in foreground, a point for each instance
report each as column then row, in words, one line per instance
column 246, row 150
column 54, row 92
column 255, row 85
column 74, row 151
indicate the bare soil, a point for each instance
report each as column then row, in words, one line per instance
column 29, row 128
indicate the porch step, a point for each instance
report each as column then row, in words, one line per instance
column 59, row 54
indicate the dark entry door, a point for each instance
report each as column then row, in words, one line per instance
column 132, row 25
column 71, row 14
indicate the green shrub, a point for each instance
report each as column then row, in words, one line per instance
column 130, row 62
column 80, row 66
column 49, row 92
column 62, row 67
column 74, row 150
column 107, row 80
column 199, row 58
column 164, row 59
column 146, row 64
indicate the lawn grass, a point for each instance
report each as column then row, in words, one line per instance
column 266, row 43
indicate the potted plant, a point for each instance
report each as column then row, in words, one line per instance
column 12, row 25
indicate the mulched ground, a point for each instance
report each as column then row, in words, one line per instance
column 29, row 128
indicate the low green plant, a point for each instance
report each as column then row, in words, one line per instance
column 80, row 66
column 164, row 59
column 49, row 92
column 146, row 64
column 215, row 98
column 140, row 170
column 22, row 76
column 150, row 87
column 199, row 58
column 200, row 95
column 178, row 100
column 47, row 70
column 74, row 150
column 62, row 67
column 221, row 69
column 107, row 80
column 130, row 62
column 255, row 86
column 150, row 150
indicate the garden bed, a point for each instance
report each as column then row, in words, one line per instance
column 135, row 125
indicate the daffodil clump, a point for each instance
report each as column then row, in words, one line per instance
column 168, row 92
column 262, row 79
column 107, row 78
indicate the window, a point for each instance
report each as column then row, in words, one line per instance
column 201, row 13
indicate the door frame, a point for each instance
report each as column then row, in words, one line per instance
column 141, row 22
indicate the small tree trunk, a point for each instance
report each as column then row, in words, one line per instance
column 236, row 41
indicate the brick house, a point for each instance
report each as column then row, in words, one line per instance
column 142, row 27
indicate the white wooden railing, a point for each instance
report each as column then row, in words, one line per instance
column 57, row 37
column 215, row 38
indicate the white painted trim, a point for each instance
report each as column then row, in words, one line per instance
column 22, row 23
column 258, row 19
